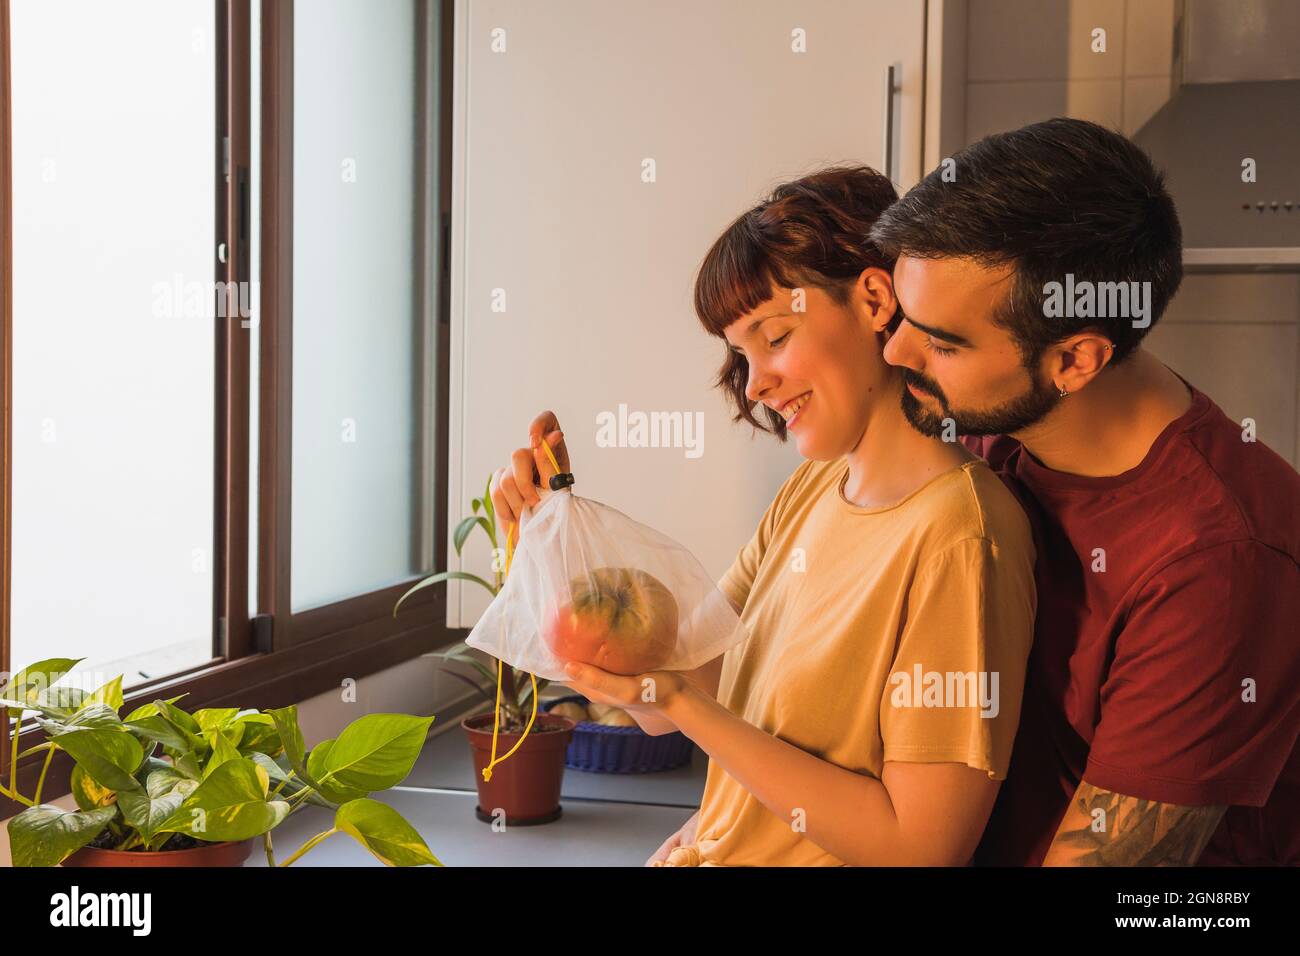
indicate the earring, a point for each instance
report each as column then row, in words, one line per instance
column 1064, row 392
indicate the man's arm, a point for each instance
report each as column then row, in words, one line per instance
column 1103, row 828
column 1180, row 719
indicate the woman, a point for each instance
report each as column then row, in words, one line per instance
column 888, row 591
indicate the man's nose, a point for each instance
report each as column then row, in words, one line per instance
column 901, row 349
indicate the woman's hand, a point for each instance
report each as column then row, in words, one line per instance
column 685, row 836
column 650, row 698
column 516, row 486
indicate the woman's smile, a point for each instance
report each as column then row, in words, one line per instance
column 792, row 409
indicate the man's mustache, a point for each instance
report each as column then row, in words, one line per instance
column 922, row 384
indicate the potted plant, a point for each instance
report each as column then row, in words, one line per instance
column 163, row 787
column 526, row 787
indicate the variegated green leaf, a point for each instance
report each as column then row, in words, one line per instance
column 179, row 718
column 25, row 686
column 188, row 764
column 182, row 726
column 163, row 778
column 44, row 835
column 149, row 710
column 376, row 751
column 383, row 831
column 109, row 756
column 109, row 694
column 158, row 729
column 96, row 716
column 222, row 750
column 259, row 735
column 89, row 794
column 274, row 771
column 63, row 699
column 148, row 809
column 295, row 786
column 215, row 718
column 328, row 788
column 51, row 713
column 231, row 804
column 286, row 725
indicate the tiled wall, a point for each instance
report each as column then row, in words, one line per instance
column 1236, row 337
column 1032, row 59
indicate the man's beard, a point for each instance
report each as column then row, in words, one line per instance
column 1021, row 412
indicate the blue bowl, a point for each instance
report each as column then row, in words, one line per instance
column 601, row 749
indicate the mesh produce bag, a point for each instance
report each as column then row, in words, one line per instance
column 588, row 583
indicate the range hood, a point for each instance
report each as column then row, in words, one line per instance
column 1200, row 138
column 1235, row 96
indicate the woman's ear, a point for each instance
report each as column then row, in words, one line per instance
column 874, row 291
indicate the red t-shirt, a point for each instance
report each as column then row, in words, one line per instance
column 1138, row 672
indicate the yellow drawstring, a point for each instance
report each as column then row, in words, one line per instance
column 496, row 719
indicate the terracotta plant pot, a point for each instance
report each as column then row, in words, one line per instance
column 211, row 854
column 527, row 784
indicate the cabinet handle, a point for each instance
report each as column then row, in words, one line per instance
column 893, row 74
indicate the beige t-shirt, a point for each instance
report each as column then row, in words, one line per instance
column 875, row 635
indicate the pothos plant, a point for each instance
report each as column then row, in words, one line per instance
column 161, row 778
column 516, row 687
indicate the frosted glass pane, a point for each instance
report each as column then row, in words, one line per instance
column 356, row 302
column 255, row 285
column 113, row 146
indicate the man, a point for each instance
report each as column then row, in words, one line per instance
column 1162, row 702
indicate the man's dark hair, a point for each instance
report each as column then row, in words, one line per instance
column 1057, row 197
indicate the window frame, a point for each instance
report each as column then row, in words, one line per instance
column 278, row 656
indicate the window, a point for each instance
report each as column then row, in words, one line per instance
column 360, row 324
column 114, row 359
column 225, row 332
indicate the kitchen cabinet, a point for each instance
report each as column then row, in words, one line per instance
column 599, row 149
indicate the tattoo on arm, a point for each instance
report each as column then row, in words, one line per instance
column 1103, row 828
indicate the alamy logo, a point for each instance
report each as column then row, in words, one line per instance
column 179, row 299
column 1098, row 300
column 919, row 688
column 102, row 909
column 651, row 430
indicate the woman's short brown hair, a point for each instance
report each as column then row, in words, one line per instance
column 809, row 232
